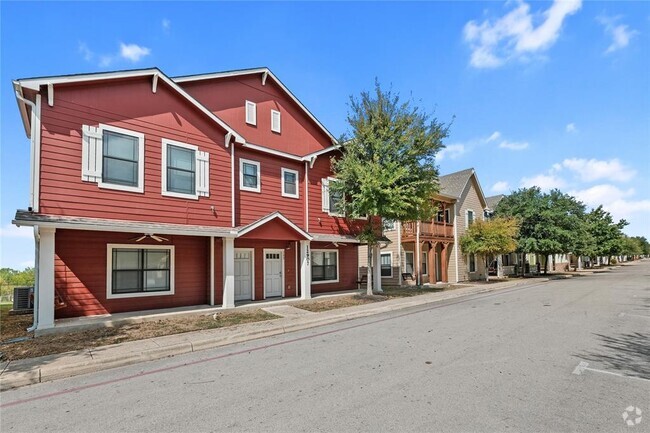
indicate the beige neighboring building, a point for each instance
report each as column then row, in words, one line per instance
column 428, row 252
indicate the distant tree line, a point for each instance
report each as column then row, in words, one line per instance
column 555, row 223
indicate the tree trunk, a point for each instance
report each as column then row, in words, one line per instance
column 545, row 264
column 487, row 267
column 369, row 280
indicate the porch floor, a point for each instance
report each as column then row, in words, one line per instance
column 116, row 319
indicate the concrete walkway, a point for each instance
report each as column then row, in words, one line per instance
column 35, row 370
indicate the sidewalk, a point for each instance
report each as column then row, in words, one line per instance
column 35, row 370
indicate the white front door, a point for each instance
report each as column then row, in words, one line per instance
column 273, row 280
column 243, row 274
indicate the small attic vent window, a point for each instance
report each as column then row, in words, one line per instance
column 275, row 121
column 251, row 113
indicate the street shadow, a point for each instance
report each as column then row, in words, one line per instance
column 626, row 353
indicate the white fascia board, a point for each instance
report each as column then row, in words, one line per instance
column 35, row 83
column 180, row 231
column 257, row 71
column 316, row 154
column 269, row 218
column 22, row 107
column 272, row 151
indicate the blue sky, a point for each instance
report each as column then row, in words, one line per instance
column 555, row 94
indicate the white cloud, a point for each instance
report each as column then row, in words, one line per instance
column 495, row 136
column 501, row 186
column 166, row 24
column 85, row 51
column 133, row 52
column 589, row 170
column 451, row 151
column 543, row 181
column 512, row 145
column 621, row 34
column 614, row 200
column 11, row 231
column 571, row 127
column 514, row 35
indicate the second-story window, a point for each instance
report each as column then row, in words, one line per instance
column 389, row 225
column 447, row 219
column 249, row 175
column 113, row 158
column 185, row 170
column 289, row 183
column 330, row 199
column 251, row 113
column 470, row 218
column 120, row 159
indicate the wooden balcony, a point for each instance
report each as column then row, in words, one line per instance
column 428, row 231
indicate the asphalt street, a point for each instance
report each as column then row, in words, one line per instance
column 567, row 355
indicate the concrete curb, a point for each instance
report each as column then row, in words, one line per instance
column 52, row 367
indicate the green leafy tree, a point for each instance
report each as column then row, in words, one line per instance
column 387, row 169
column 607, row 234
column 492, row 237
column 550, row 223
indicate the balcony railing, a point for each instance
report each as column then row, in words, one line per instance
column 428, row 229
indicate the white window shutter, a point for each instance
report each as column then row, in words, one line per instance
column 275, row 121
column 325, row 195
column 251, row 113
column 91, row 154
column 203, row 174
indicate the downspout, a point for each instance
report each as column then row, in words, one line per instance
column 306, row 197
column 232, row 185
column 456, row 240
column 37, row 243
column 399, row 252
column 417, row 254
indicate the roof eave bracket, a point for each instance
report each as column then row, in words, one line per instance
column 264, row 77
column 50, row 94
column 154, row 83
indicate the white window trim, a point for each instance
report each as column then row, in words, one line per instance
column 140, row 137
column 252, row 121
column 109, row 270
column 468, row 265
column 425, row 255
column 241, row 176
column 279, row 129
column 165, row 143
column 389, row 253
column 285, row 194
column 467, row 211
column 329, row 191
column 338, row 269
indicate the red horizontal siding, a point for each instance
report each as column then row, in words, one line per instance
column 80, row 273
column 130, row 105
column 348, row 268
column 251, row 206
column 226, row 98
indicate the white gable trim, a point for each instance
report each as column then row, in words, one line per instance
column 271, row 217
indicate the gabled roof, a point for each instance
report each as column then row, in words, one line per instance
column 453, row 184
column 494, row 200
column 241, row 231
column 265, row 74
column 36, row 83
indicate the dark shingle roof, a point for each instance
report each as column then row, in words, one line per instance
column 494, row 200
column 453, row 184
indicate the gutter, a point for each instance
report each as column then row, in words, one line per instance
column 456, row 240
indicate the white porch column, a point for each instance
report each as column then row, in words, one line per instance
column 376, row 269
column 305, row 270
column 579, row 263
column 211, row 270
column 45, row 291
column 228, row 273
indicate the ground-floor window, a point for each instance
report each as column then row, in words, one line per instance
column 505, row 259
column 324, row 266
column 408, row 255
column 387, row 265
column 136, row 271
column 472, row 262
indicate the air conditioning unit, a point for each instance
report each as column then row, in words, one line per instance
column 23, row 298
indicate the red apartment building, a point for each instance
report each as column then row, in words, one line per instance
column 154, row 192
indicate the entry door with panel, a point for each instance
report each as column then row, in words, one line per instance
column 273, row 273
column 243, row 275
